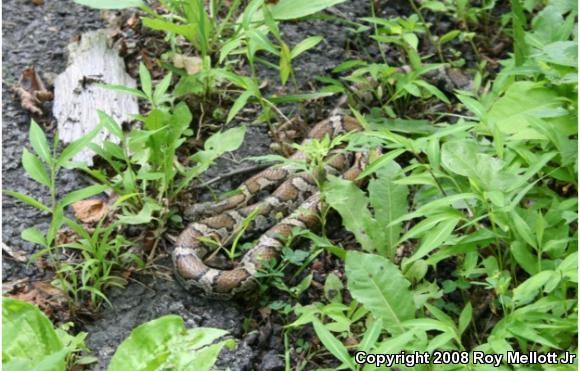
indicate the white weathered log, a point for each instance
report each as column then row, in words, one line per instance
column 77, row 96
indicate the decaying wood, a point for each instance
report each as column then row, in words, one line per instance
column 77, row 96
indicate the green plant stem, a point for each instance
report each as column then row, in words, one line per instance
column 427, row 31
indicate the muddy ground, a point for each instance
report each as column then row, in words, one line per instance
column 37, row 36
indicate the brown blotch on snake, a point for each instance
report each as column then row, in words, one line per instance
column 296, row 197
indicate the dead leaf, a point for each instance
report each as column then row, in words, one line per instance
column 90, row 211
column 19, row 256
column 32, row 92
column 48, row 298
column 192, row 65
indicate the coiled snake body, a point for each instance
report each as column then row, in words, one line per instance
column 296, row 197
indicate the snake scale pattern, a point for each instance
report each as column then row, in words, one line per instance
column 296, row 197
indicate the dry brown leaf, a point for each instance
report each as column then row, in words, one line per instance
column 32, row 92
column 48, row 298
column 90, row 211
column 18, row 255
column 192, row 65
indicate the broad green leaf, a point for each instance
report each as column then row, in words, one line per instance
column 34, row 168
column 29, row 339
column 352, row 205
column 379, row 286
column 530, row 288
column 389, row 201
column 523, row 102
column 332, row 344
column 147, row 346
column 304, row 45
column 111, row 4
column 39, row 143
column 227, row 141
column 292, row 9
column 462, row 157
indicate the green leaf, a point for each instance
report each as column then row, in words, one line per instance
column 29, row 200
column 34, row 235
column 292, row 9
column 465, row 318
column 112, row 126
column 332, row 344
column 389, row 201
column 304, row 45
column 472, row 105
column 239, row 104
column 145, row 78
column 111, row 4
column 352, row 205
column 78, row 145
column 299, row 97
column 123, row 89
column 146, row 347
column 523, row 103
column 166, row 342
column 39, row 143
column 34, row 168
column 83, row 193
column 451, row 35
column 29, row 340
column 530, row 288
column 433, row 239
column 285, row 63
column 381, row 162
column 489, row 173
column 380, row 287
column 188, row 31
column 144, row 216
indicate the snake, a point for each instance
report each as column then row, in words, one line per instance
column 295, row 202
